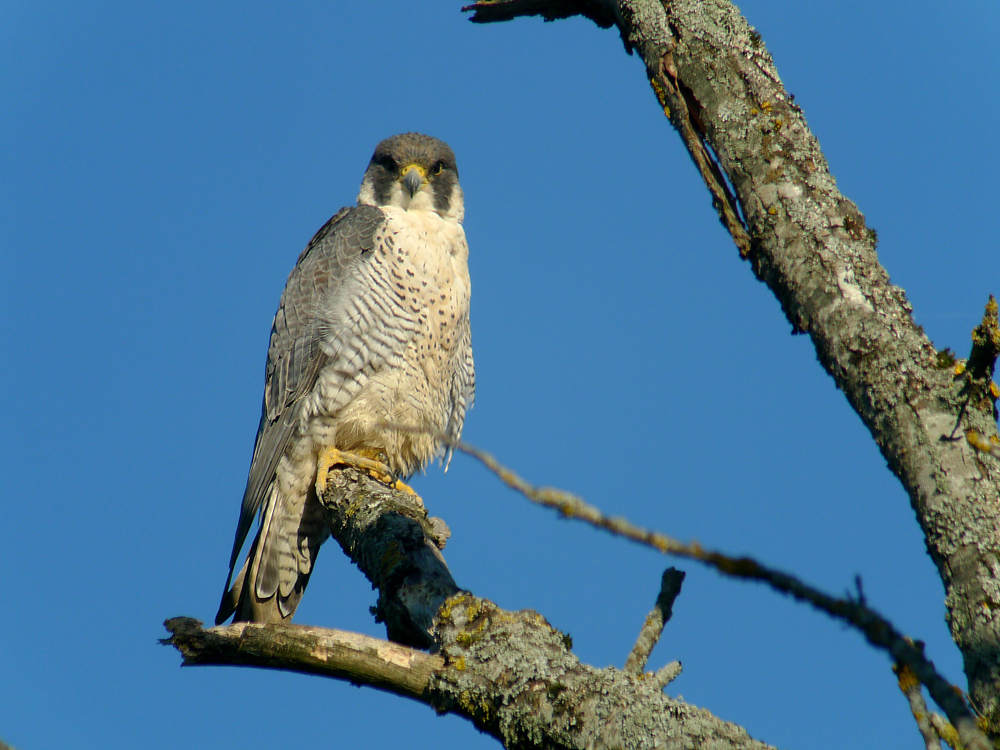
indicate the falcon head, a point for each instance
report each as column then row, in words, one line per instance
column 416, row 173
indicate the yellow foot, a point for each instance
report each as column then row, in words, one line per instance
column 374, row 468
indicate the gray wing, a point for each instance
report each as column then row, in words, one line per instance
column 294, row 357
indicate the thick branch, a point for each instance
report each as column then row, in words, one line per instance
column 389, row 536
column 511, row 673
column 714, row 78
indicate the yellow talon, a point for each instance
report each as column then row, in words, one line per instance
column 373, row 467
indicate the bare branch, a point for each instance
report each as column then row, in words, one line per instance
column 946, row 731
column 667, row 674
column 670, row 587
column 298, row 648
column 876, row 629
column 511, row 673
column 388, row 534
column 550, row 10
column 910, row 687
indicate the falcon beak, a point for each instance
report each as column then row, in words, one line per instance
column 413, row 178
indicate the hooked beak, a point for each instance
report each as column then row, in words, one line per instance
column 413, row 178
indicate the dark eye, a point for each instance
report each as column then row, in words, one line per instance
column 438, row 168
column 387, row 163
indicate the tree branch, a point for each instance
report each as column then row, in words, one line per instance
column 877, row 630
column 298, row 648
column 511, row 673
column 670, row 588
column 909, row 685
column 714, row 78
column 389, row 536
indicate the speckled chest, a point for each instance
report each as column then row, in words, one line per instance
column 427, row 261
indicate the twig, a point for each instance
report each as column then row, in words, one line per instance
column 910, row 687
column 876, row 629
column 670, row 587
column 946, row 731
column 551, row 10
column 667, row 674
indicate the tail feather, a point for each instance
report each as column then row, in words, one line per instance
column 279, row 564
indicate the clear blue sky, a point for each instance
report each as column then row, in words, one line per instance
column 164, row 164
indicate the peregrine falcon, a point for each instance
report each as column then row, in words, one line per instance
column 372, row 330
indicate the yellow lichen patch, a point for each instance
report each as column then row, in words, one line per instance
column 482, row 707
column 444, row 612
column 661, row 95
column 984, row 723
column 468, row 637
column 960, row 368
column 460, row 664
column 907, row 678
column 766, row 106
column 472, row 611
column 994, row 389
column 772, row 211
column 754, row 111
column 949, row 734
column 980, row 443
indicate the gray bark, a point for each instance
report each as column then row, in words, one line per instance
column 809, row 244
column 511, row 673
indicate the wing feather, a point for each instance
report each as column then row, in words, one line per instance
column 294, row 357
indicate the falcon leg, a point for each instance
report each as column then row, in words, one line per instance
column 372, row 466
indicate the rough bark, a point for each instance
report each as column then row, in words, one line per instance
column 511, row 673
column 389, row 536
column 774, row 192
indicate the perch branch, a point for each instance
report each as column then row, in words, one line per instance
column 511, row 673
column 298, row 648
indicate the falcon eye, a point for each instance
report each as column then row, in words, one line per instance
column 388, row 164
column 438, row 168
